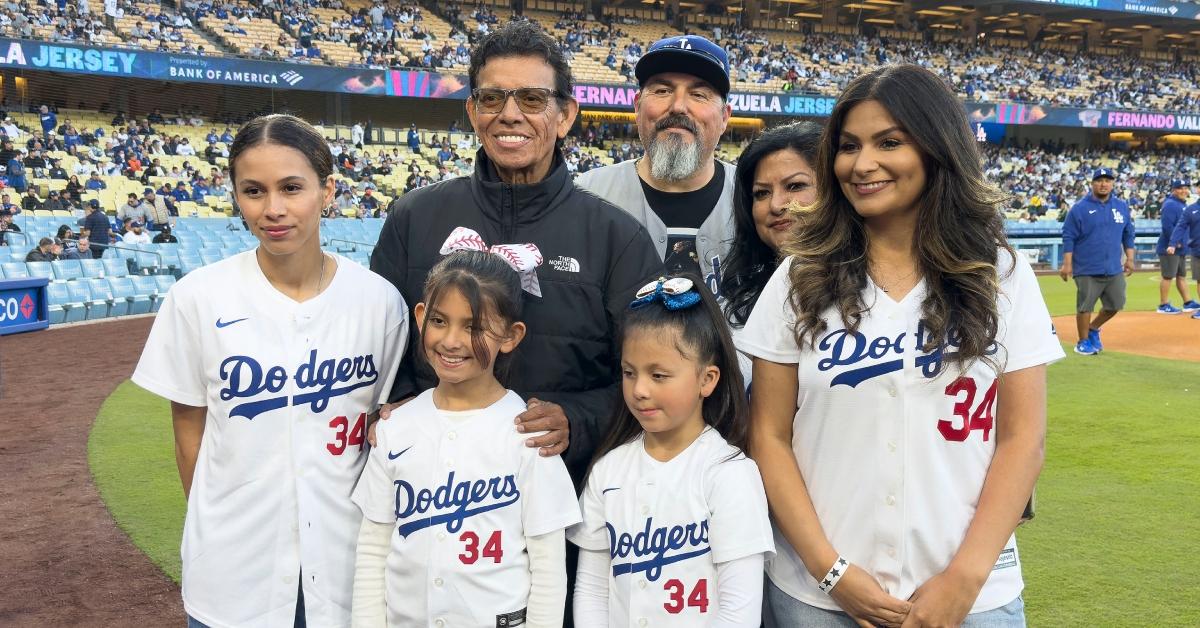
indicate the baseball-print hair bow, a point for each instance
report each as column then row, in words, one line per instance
column 677, row 293
column 523, row 258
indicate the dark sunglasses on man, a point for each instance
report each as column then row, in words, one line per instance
column 529, row 99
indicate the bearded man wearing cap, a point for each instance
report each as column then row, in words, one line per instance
column 1174, row 264
column 678, row 189
column 158, row 215
column 1098, row 229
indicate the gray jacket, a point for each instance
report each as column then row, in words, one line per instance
column 619, row 185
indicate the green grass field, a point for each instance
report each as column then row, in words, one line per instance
column 1116, row 537
column 1141, row 293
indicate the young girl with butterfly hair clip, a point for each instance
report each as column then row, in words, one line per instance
column 675, row 529
column 475, row 517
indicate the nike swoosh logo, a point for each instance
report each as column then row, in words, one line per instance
column 392, row 456
column 615, row 488
column 222, row 325
column 1092, row 211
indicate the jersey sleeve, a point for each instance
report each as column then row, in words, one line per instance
column 547, row 494
column 768, row 333
column 1028, row 337
column 591, row 533
column 395, row 342
column 375, row 494
column 172, row 362
column 738, row 524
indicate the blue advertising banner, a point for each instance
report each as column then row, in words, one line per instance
column 134, row 63
column 23, row 305
column 1017, row 113
column 621, row 97
column 1157, row 8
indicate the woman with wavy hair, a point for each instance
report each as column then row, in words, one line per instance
column 900, row 351
column 775, row 174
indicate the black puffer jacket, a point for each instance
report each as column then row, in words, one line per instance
column 596, row 257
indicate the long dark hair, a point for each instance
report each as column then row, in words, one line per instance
column 958, row 221
column 751, row 262
column 492, row 289
column 702, row 336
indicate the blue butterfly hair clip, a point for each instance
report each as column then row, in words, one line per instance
column 677, row 293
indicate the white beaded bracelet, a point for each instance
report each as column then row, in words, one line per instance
column 835, row 574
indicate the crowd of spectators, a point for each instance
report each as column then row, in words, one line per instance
column 1043, row 181
column 131, row 147
column 54, row 21
column 801, row 62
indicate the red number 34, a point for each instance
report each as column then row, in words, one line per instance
column 347, row 435
column 979, row 419
column 698, row 597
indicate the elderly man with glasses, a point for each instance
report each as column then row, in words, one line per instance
column 595, row 255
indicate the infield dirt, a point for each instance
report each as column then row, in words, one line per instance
column 65, row 562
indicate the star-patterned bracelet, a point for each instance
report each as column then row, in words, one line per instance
column 835, row 574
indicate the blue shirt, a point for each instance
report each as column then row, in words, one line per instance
column 1187, row 231
column 49, row 121
column 1172, row 209
column 1097, row 233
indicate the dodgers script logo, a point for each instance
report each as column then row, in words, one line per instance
column 462, row 500
column 846, row 348
column 653, row 544
column 245, row 377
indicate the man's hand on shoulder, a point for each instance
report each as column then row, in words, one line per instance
column 385, row 413
column 549, row 417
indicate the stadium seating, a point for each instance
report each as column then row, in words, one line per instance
column 123, row 288
column 62, row 307
column 808, row 56
column 14, row 270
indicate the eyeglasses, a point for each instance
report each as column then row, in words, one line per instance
column 529, row 99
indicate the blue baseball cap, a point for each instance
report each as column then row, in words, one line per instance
column 1101, row 173
column 687, row 54
column 1178, row 183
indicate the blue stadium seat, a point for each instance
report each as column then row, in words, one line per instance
column 211, row 257
column 164, row 283
column 148, row 263
column 188, row 264
column 170, row 257
column 63, row 308
column 66, row 269
column 115, row 267
column 14, row 270
column 122, row 288
column 81, row 293
column 40, row 269
column 92, row 268
column 144, row 285
column 102, row 291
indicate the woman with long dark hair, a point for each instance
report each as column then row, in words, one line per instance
column 774, row 177
column 899, row 401
column 273, row 359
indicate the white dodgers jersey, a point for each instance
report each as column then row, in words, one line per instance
column 893, row 442
column 464, row 493
column 666, row 525
column 288, row 387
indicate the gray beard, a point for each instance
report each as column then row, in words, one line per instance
column 673, row 159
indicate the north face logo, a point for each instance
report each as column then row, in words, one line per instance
column 565, row 264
